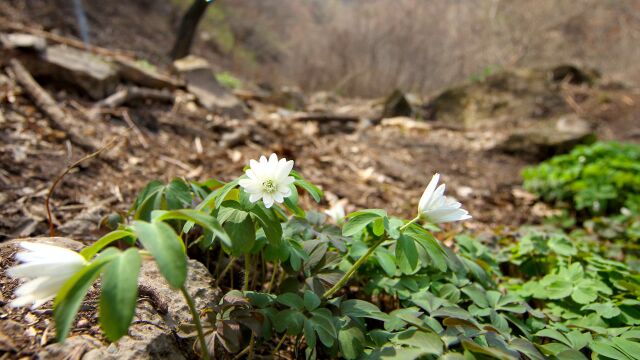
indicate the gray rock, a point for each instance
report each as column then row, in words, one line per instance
column 202, row 83
column 151, row 335
column 75, row 347
column 548, row 138
column 94, row 75
column 506, row 97
column 57, row 241
column 159, row 312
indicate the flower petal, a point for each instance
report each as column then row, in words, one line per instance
column 268, row 200
column 428, row 192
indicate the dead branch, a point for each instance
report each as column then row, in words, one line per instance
column 131, row 93
column 6, row 24
column 327, row 117
column 141, row 138
column 57, row 118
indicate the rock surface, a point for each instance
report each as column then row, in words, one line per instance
column 202, row 82
column 152, row 333
column 549, row 138
column 506, row 97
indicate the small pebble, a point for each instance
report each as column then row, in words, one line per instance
column 83, row 323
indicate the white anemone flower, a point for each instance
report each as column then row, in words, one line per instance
column 336, row 212
column 47, row 267
column 437, row 208
column 268, row 180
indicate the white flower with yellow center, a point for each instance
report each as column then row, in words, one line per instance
column 437, row 208
column 268, row 180
column 47, row 268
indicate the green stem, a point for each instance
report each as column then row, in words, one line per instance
column 226, row 269
column 196, row 321
column 361, row 261
column 247, row 268
column 403, row 227
column 273, row 276
column 352, row 270
column 284, row 336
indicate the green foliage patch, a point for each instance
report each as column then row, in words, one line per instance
column 598, row 179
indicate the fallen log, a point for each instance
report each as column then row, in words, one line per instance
column 41, row 98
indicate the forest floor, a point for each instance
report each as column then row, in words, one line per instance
column 372, row 163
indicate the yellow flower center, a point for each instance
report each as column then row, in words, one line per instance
column 269, row 187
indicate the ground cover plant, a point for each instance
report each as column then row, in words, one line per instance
column 598, row 179
column 367, row 285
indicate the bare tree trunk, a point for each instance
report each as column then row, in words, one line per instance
column 187, row 30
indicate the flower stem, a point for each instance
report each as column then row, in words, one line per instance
column 226, row 269
column 196, row 321
column 273, row 276
column 284, row 336
column 247, row 268
column 352, row 270
column 361, row 261
column 403, row 227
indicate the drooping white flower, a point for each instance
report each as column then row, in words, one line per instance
column 437, row 208
column 336, row 212
column 47, row 267
column 268, row 180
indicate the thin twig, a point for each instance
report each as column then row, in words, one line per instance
column 63, row 174
column 135, row 128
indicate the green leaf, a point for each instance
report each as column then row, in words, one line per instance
column 360, row 219
column 630, row 348
column 291, row 300
column 351, row 341
column 325, row 328
column 166, row 248
column 290, row 319
column 607, row 349
column 119, row 294
column 311, row 300
column 556, row 287
column 291, row 202
column 309, row 333
column 313, row 190
column 69, row 298
column 218, row 196
column 155, row 196
column 406, row 254
column 90, row 251
column 555, row 335
column 429, row 343
column 562, row 245
column 584, row 292
column 386, row 260
column 607, row 310
column 431, row 246
column 270, row 224
column 361, row 309
column 207, row 221
column 242, row 232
